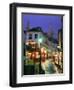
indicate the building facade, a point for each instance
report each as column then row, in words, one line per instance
column 39, row 41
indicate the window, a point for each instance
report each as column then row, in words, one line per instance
column 36, row 36
column 30, row 36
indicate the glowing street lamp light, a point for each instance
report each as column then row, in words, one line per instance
column 40, row 40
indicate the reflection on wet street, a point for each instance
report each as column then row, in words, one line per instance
column 52, row 65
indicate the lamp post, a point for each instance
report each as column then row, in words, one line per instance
column 40, row 41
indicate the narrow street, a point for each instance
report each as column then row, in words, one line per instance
column 49, row 67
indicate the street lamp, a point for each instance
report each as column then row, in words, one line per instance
column 40, row 41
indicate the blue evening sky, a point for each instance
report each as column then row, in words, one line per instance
column 46, row 22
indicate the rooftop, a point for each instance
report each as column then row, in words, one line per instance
column 39, row 29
